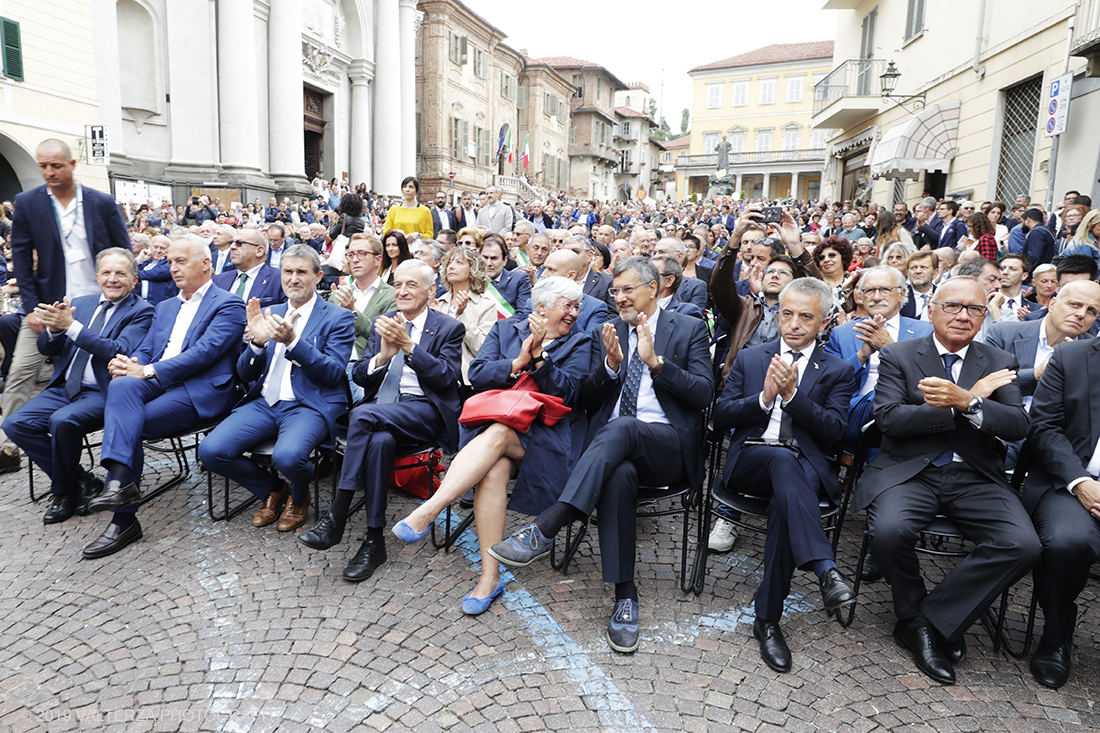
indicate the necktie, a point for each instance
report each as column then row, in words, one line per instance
column 786, row 429
column 278, row 369
column 628, row 407
column 923, row 307
column 390, row 390
column 242, row 280
column 948, row 363
column 80, row 361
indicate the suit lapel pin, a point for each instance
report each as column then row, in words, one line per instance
column 815, row 365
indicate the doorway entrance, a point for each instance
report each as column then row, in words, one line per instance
column 314, row 123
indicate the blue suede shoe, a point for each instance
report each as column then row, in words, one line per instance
column 476, row 606
column 622, row 629
column 408, row 534
column 522, row 548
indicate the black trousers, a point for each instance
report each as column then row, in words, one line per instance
column 1071, row 544
column 988, row 514
column 624, row 452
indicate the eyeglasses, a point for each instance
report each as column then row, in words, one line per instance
column 236, row 243
column 362, row 255
column 883, row 291
column 974, row 310
column 777, row 271
column 625, row 290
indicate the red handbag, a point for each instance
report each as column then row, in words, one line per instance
column 517, row 407
column 413, row 474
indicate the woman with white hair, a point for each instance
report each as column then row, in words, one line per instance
column 540, row 460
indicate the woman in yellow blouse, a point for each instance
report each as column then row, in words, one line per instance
column 410, row 216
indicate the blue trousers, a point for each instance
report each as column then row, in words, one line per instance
column 298, row 430
column 795, row 538
column 50, row 429
column 374, row 432
column 141, row 409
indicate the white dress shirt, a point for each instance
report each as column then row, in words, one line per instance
column 956, row 370
column 410, row 383
column 79, row 263
column 1008, row 309
column 74, row 330
column 362, row 297
column 286, row 392
column 893, row 326
column 921, row 301
column 186, row 315
column 1043, row 351
column 771, row 433
column 648, row 408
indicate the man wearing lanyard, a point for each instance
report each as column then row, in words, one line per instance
column 66, row 225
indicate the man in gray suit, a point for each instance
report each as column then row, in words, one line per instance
column 943, row 404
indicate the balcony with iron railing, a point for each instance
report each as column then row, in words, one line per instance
column 1086, row 35
column 849, row 94
column 709, row 162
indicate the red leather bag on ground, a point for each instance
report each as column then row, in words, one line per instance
column 411, row 474
column 518, row 407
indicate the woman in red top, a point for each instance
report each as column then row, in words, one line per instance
column 981, row 228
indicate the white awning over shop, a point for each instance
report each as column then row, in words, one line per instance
column 926, row 141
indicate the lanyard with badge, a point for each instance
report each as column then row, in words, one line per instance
column 72, row 254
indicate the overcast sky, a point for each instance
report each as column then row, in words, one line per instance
column 649, row 42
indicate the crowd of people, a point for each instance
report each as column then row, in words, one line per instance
column 351, row 318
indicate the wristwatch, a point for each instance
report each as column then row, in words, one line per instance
column 974, row 407
column 149, row 372
column 660, row 366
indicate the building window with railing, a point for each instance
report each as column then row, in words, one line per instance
column 791, row 134
column 763, row 140
column 710, row 142
column 818, row 137
column 736, row 139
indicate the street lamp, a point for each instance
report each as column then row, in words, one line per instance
column 889, row 80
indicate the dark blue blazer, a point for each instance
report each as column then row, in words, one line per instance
column 693, row 290
column 159, row 277
column 844, row 344
column 1039, row 246
column 595, row 285
column 551, row 451
column 592, row 316
column 268, row 286
column 515, row 287
column 319, row 362
column 955, row 230
column 34, row 228
column 819, row 410
column 437, row 361
column 126, row 328
column 205, row 365
column 228, row 266
column 678, row 306
column 684, row 386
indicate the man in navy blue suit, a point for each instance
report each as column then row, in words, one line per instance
column 296, row 363
column 180, row 377
column 564, row 263
column 787, row 402
column 1039, row 245
column 513, row 286
column 650, row 382
column 82, row 339
column 66, row 225
column 154, row 272
column 252, row 276
column 409, row 371
column 672, row 275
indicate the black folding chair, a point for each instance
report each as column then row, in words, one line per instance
column 261, row 454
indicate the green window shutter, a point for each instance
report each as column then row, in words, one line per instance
column 13, row 49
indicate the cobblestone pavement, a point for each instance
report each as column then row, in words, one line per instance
column 208, row 625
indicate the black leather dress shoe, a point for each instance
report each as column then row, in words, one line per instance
column 90, row 488
column 835, row 590
column 955, row 651
column 773, row 647
column 113, row 539
column 371, row 555
column 1050, row 665
column 871, row 571
column 115, row 495
column 9, row 462
column 62, row 506
column 924, row 642
column 324, row 533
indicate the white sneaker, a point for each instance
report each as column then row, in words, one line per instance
column 723, row 535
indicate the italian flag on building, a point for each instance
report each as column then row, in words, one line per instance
column 504, row 308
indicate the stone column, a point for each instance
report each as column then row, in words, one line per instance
column 794, row 185
column 238, row 99
column 286, row 137
column 361, row 73
column 766, row 189
column 387, row 100
column 407, row 23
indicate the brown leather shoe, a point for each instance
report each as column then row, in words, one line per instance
column 272, row 505
column 293, row 516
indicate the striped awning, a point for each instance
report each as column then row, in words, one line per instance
column 926, row 141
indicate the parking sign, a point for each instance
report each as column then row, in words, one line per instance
column 1057, row 105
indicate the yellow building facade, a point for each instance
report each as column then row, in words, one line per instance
column 761, row 102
